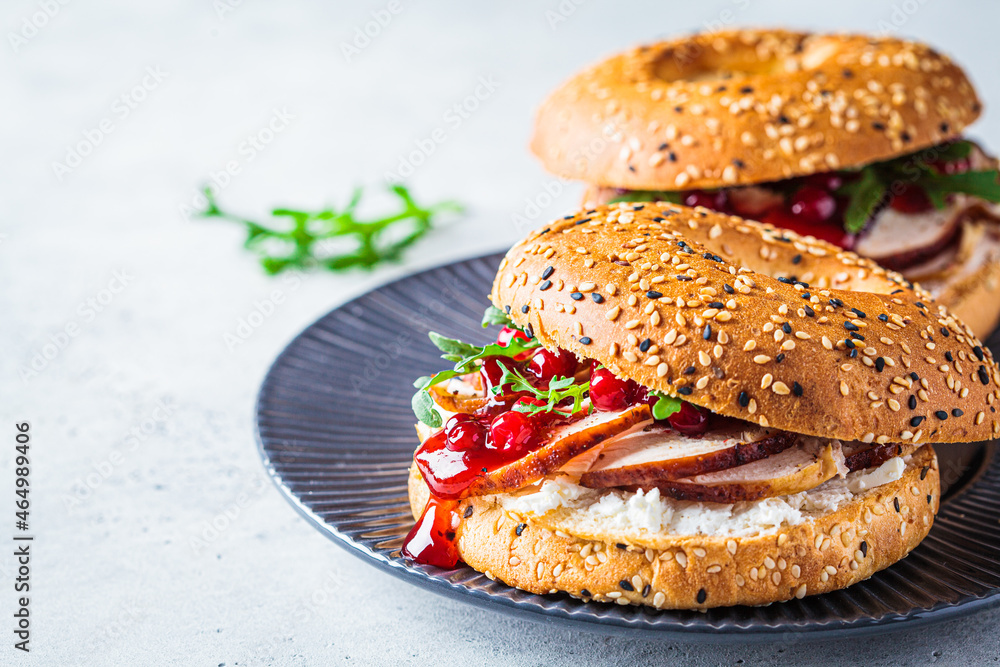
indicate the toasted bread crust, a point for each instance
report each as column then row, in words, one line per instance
column 834, row 551
column 839, row 358
column 740, row 107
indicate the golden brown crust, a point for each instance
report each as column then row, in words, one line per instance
column 667, row 117
column 761, row 349
column 685, row 572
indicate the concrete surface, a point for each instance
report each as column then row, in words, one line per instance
column 142, row 420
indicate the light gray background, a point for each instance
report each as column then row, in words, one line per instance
column 127, row 569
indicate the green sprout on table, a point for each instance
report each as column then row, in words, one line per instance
column 303, row 237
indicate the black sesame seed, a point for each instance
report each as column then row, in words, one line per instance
column 690, row 370
column 646, row 589
column 547, row 273
column 912, row 403
column 684, row 391
column 786, row 327
column 626, row 585
column 806, row 295
column 728, row 288
column 796, row 389
column 683, row 278
column 716, row 304
column 905, row 136
column 944, row 332
column 879, row 364
column 544, row 286
column 859, row 313
column 853, row 354
column 864, row 548
column 783, row 119
column 525, row 309
column 850, row 326
column 707, row 333
column 923, row 472
column 957, row 412
column 809, row 311
column 915, row 421
column 631, row 168
column 837, row 303
column 520, row 529
column 644, row 345
column 672, row 156
column 576, row 296
column 928, row 499
column 978, row 351
column 878, row 126
column 849, row 343
column 663, row 147
column 739, row 163
column 585, row 593
column 883, row 317
column 781, row 357
column 744, row 399
column 857, row 336
column 621, row 546
column 941, row 414
column 847, row 74
column 507, row 309
column 914, row 376
column 948, row 356
column 895, row 503
column 920, row 304
column 943, row 127
column 597, row 297
column 796, row 259
column 468, row 512
column 702, row 596
column 746, row 89
column 984, row 377
column 585, row 340
column 653, row 294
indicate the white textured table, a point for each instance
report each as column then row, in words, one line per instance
column 114, row 113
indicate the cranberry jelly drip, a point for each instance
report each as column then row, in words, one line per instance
column 432, row 539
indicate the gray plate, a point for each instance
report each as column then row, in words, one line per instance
column 336, row 434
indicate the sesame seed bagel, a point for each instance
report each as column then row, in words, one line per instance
column 831, row 551
column 752, row 322
column 740, row 107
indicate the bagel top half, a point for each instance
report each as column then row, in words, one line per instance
column 752, row 322
column 740, row 107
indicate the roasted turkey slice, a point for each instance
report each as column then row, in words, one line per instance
column 651, row 456
column 791, row 471
column 564, row 443
column 861, row 456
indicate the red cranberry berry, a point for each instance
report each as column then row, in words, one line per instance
column 912, row 199
column 831, row 181
column 512, row 432
column 508, row 334
column 492, row 371
column 546, row 365
column 813, row 204
column 464, row 433
column 690, row 420
column 717, row 201
column 608, row 392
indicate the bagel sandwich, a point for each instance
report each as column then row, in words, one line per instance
column 853, row 139
column 686, row 410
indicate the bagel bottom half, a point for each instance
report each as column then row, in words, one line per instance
column 868, row 533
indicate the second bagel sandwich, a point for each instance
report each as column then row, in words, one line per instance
column 853, row 139
column 686, row 410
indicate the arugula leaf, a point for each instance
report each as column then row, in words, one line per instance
column 649, row 195
column 864, row 196
column 665, row 405
column 307, row 234
column 559, row 390
column 425, row 409
column 464, row 356
column 982, row 184
column 494, row 315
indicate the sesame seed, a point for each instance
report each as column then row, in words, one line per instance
column 576, row 296
column 545, row 285
column 941, row 414
column 744, row 399
column 585, row 340
column 685, row 391
column 597, row 298
column 915, row 421
column 547, row 273
column 702, row 596
column 653, row 294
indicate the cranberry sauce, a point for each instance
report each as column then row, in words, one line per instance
column 432, row 539
column 471, row 445
column 811, row 205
